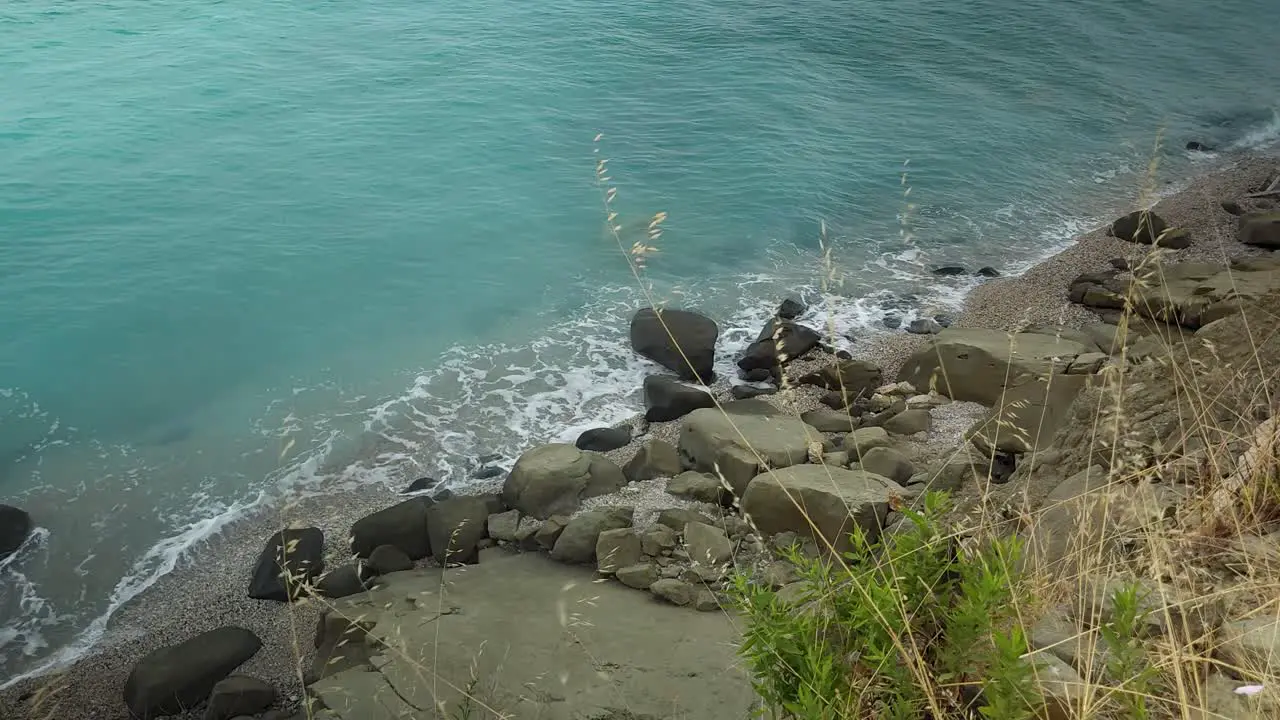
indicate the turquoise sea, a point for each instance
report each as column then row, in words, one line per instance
column 253, row 247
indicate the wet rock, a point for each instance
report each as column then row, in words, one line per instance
column 604, row 439
column 854, row 377
column 290, row 562
column 679, row 340
column 988, row 272
column 486, row 473
column 790, row 309
column 1197, row 146
column 15, row 526
column 949, row 270
column 757, row 375
column 422, row 484
column 668, row 399
column 778, row 344
column 892, row 322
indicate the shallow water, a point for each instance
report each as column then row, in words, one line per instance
column 249, row 246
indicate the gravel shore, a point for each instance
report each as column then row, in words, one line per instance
column 208, row 590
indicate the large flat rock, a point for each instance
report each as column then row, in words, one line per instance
column 977, row 365
column 820, row 501
column 733, row 441
column 562, row 647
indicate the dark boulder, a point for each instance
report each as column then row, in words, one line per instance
column 403, row 525
column 1261, row 230
column 778, row 344
column 945, row 321
column 237, row 696
column 604, row 439
column 757, row 375
column 679, row 340
column 456, row 526
column 988, row 272
column 15, row 526
column 1197, row 146
column 292, row 559
column 388, row 559
column 837, row 400
column 1232, row 207
column 422, row 484
column 668, row 399
column 1121, row 264
column 924, row 326
column 1140, row 226
column 172, row 679
column 790, row 309
column 893, row 322
column 949, row 270
column 343, row 581
column 654, row 460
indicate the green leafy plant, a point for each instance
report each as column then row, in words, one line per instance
column 1126, row 657
column 914, row 625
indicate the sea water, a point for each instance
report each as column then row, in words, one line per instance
column 252, row 247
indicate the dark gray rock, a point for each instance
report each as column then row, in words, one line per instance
column 757, row 375
column 746, row 392
column 656, row 459
column 893, row 322
column 1197, row 146
column 577, row 543
column 342, row 581
column 667, row 399
column 778, row 344
column 987, row 272
column 422, row 484
column 455, row 526
column 15, row 526
column 1232, row 207
column 679, row 340
column 924, row 326
column 239, row 695
column 949, row 270
column 1121, row 264
column 1140, row 226
column 403, row 525
column 604, row 439
column 945, row 321
column 388, row 559
column 172, row 679
column 291, row 560
column 790, row 309
column 486, row 473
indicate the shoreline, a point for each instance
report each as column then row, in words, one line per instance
column 208, row 588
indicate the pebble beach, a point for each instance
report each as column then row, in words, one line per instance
column 207, row 590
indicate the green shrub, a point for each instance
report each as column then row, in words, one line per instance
column 913, row 626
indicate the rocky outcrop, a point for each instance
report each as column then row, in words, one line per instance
column 734, row 442
column 555, row 479
column 1260, row 229
column 170, row 680
column 603, row 439
column 577, row 544
column 679, row 340
column 779, row 343
column 289, row 563
column 15, row 526
column 667, row 399
column 853, row 377
column 403, row 525
column 820, row 502
column 456, row 526
column 237, row 696
column 656, row 459
column 977, row 365
column 1028, row 416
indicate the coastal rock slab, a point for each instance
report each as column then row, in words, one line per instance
column 656, row 459
column 169, row 680
column 1195, row 294
column 1028, row 416
column 15, row 526
column 455, row 526
column 291, row 560
column 475, row 623
column 554, row 480
column 667, row 399
column 975, row 365
column 820, row 502
column 679, row 340
column 403, row 525
column 577, row 544
column 735, row 440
